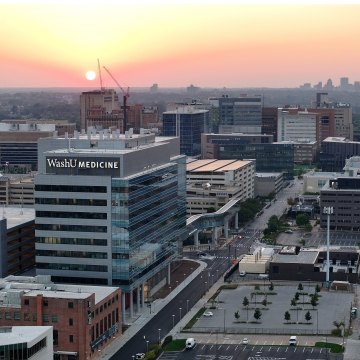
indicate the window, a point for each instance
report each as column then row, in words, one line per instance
column 45, row 302
column 55, row 337
column 71, row 338
column 26, row 302
column 27, row 317
column 8, row 316
column 17, row 315
column 71, row 322
column 70, row 305
column 54, row 318
column 45, row 318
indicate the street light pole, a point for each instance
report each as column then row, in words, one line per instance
column 159, row 336
column 180, row 312
column 328, row 210
column 187, row 306
column 224, row 319
column 173, row 317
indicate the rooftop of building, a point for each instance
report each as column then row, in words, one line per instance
column 42, row 284
column 235, row 134
column 20, row 334
column 298, row 142
column 17, row 215
column 303, row 257
column 339, row 139
column 323, row 174
column 215, row 165
column 268, row 175
column 186, row 110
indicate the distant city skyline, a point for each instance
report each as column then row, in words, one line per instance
column 175, row 45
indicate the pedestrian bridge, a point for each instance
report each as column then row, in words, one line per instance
column 220, row 218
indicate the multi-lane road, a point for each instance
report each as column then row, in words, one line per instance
column 178, row 306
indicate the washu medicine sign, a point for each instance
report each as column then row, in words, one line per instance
column 83, row 166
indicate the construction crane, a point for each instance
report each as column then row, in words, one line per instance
column 126, row 95
column 100, row 78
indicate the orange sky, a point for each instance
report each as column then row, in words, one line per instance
column 208, row 44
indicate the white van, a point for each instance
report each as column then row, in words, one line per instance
column 264, row 276
column 190, row 343
column 293, row 341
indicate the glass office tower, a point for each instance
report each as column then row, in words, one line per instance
column 111, row 216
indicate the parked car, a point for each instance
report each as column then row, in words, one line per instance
column 139, row 356
column 208, row 313
column 293, row 341
column 190, row 343
column 242, row 273
column 245, row 341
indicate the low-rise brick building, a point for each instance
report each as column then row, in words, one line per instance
column 85, row 319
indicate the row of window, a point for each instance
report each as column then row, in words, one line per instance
column 77, row 228
column 72, row 215
column 71, row 188
column 71, row 241
column 73, row 267
column 73, row 254
column 76, row 202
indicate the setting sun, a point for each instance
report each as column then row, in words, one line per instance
column 90, row 75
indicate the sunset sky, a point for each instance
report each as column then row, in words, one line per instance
column 175, row 44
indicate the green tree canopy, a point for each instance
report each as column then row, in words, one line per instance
column 302, row 219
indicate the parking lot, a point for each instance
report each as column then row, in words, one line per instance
column 248, row 352
column 272, row 314
column 317, row 237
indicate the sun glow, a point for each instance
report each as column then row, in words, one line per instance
column 90, row 75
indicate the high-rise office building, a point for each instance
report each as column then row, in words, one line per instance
column 188, row 123
column 110, row 209
column 294, row 125
column 240, row 114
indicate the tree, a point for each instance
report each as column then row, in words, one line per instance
column 273, row 223
column 300, row 286
column 291, row 201
column 338, row 324
column 271, row 286
column 257, row 314
column 308, row 316
column 302, row 219
column 257, row 287
column 317, row 288
column 246, row 301
column 313, row 301
column 264, row 302
column 297, row 295
column 287, row 316
column 293, row 302
column 237, row 315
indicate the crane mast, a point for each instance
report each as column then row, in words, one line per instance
column 126, row 94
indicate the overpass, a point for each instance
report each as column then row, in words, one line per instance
column 220, row 218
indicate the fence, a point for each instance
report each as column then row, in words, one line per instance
column 249, row 330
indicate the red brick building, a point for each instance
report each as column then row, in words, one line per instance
column 85, row 319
